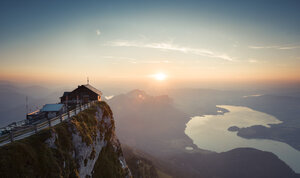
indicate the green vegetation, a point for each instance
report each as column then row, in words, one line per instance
column 108, row 164
column 86, row 124
column 163, row 175
column 139, row 164
column 141, row 167
column 32, row 157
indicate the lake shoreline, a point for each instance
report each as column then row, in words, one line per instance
column 213, row 133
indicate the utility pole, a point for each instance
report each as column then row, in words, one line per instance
column 88, row 81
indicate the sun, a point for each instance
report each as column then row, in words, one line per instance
column 160, row 76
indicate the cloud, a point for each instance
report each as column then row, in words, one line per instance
column 256, row 95
column 290, row 47
column 171, row 47
column 109, row 97
column 151, row 62
column 135, row 61
column 252, row 61
column 98, row 32
column 283, row 47
column 117, row 58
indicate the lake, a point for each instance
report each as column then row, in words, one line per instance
column 210, row 132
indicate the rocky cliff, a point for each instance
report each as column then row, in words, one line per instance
column 84, row 146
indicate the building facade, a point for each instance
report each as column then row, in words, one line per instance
column 81, row 95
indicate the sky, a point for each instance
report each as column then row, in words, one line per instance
column 132, row 41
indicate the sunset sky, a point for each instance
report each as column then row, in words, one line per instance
column 59, row 41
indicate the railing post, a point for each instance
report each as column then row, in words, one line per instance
column 60, row 118
column 68, row 114
column 11, row 136
column 75, row 110
column 35, row 128
column 80, row 108
column 49, row 121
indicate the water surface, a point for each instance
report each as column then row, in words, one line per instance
column 210, row 132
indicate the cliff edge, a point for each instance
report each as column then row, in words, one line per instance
column 84, row 146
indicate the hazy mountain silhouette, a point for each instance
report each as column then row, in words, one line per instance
column 154, row 125
column 13, row 100
column 150, row 123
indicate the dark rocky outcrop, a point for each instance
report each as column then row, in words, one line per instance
column 84, row 146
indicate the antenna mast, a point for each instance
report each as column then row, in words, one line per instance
column 26, row 105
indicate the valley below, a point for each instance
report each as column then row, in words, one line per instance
column 203, row 132
column 156, row 125
column 211, row 132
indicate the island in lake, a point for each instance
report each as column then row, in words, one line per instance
column 210, row 132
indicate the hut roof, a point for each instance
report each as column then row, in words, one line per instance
column 90, row 87
column 52, row 107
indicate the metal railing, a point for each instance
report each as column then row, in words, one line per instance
column 28, row 130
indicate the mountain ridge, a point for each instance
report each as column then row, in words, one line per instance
column 84, row 146
column 161, row 128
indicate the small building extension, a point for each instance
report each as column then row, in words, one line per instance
column 53, row 110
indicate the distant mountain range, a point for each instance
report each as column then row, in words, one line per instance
column 13, row 100
column 155, row 125
column 285, row 108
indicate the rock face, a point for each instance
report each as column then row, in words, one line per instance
column 85, row 146
column 140, row 164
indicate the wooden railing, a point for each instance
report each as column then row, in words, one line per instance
column 28, row 130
